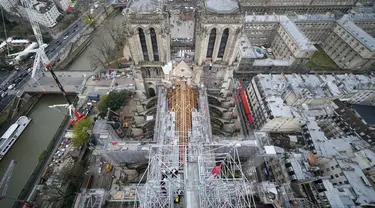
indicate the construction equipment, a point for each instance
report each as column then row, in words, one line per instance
column 77, row 115
column 40, row 57
column 4, row 186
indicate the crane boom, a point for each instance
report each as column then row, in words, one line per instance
column 6, row 178
column 40, row 57
column 49, row 68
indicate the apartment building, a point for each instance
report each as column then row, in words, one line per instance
column 337, row 159
column 303, row 175
column 366, row 21
column 297, row 6
column 291, row 39
column 276, row 100
column 315, row 27
column 349, row 46
column 63, row 4
column 290, row 47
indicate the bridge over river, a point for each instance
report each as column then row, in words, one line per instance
column 73, row 82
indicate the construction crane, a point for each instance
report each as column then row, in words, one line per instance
column 77, row 115
column 5, row 182
column 42, row 59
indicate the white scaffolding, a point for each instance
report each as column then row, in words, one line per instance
column 209, row 175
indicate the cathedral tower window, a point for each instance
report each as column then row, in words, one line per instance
column 223, row 43
column 154, row 44
column 211, row 43
column 142, row 39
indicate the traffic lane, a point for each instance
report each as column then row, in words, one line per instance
column 5, row 101
column 54, row 45
column 72, row 34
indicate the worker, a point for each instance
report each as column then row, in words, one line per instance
column 180, row 193
column 174, row 173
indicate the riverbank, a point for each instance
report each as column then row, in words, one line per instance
column 43, row 162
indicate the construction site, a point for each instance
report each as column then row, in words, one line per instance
column 185, row 166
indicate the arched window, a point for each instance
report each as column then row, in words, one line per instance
column 154, row 43
column 142, row 39
column 223, row 43
column 211, row 43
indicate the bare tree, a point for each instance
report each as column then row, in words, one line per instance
column 59, row 190
column 109, row 49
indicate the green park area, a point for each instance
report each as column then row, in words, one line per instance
column 320, row 60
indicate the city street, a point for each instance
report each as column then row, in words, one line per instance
column 71, row 32
column 8, row 80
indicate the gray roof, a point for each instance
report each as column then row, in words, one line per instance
column 367, row 40
column 301, row 41
column 144, row 5
column 222, row 6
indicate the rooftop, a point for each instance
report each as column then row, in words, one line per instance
column 367, row 40
column 222, row 6
column 357, row 179
column 315, row 86
column 271, row 62
column 145, row 6
column 339, row 148
column 313, row 18
column 43, row 6
column 288, row 25
column 246, row 48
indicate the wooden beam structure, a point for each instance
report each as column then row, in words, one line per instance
column 182, row 99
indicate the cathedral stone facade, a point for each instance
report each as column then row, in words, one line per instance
column 148, row 36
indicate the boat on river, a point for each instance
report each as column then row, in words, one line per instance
column 12, row 134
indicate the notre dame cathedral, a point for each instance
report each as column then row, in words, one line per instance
column 156, row 54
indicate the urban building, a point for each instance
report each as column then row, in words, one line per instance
column 45, row 11
column 63, row 4
column 11, row 6
column 276, row 99
column 366, row 21
column 287, row 46
column 296, row 6
column 349, row 46
column 336, row 159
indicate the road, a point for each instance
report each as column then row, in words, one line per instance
column 59, row 44
column 8, row 81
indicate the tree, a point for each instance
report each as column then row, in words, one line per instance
column 81, row 137
column 100, row 58
column 70, row 177
column 114, row 100
column 89, row 20
column 110, row 47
